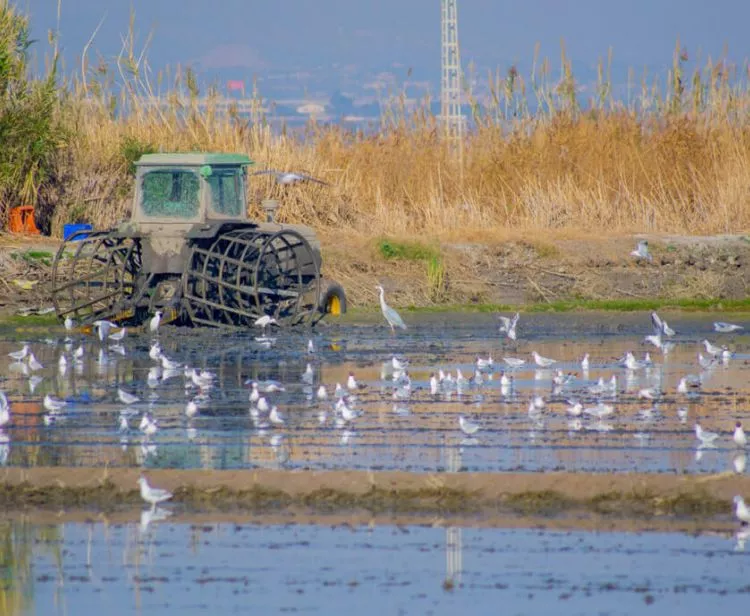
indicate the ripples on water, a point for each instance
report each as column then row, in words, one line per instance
column 415, row 432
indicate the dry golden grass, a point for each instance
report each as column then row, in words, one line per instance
column 677, row 161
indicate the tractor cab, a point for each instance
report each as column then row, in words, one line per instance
column 190, row 188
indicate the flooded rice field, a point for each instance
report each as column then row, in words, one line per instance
column 155, row 567
column 642, row 423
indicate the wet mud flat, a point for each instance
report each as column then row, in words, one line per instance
column 166, row 567
column 469, row 495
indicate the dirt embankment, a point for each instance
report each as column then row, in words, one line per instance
column 531, row 268
column 494, row 268
column 481, row 495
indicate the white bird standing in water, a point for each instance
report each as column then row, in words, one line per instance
column 19, row 355
column 264, row 321
column 741, row 510
column 155, row 321
column 508, row 325
column 126, row 398
column 739, row 437
column 4, row 409
column 393, row 317
column 707, row 439
column 542, row 362
column 69, row 324
column 726, row 328
column 153, row 496
column 467, row 427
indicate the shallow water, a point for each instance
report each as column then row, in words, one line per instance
column 172, row 567
column 398, row 430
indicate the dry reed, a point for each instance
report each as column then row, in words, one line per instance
column 674, row 160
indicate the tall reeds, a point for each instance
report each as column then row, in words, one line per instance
column 543, row 152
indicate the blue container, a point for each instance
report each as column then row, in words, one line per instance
column 70, row 229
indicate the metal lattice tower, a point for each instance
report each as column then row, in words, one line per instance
column 450, row 87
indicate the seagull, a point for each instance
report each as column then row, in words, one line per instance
column 485, row 364
column 394, row 318
column 687, row 382
column 191, row 408
column 542, row 362
column 351, row 382
column 706, row 362
column 712, row 349
column 741, row 510
column 19, row 355
column 263, row 405
column 308, row 375
column 514, row 362
column 726, row 328
column 641, row 251
column 103, row 328
column 126, row 398
column 399, row 365
column 148, row 426
column 254, row 392
column 508, row 325
column 631, row 363
column 154, row 496
column 322, row 394
column 599, row 411
column 69, row 324
column 119, row 335
column 155, row 321
column 275, row 417
column 34, row 363
column 264, row 321
column 467, row 427
column 4, row 409
column 289, row 177
column 53, row 404
column 434, row 385
column 661, row 326
column 739, row 437
column 154, row 351
column 707, row 439
column 585, row 363
column 575, row 408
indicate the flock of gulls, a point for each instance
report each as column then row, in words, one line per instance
column 581, row 398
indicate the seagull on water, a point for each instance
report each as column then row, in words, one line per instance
column 514, row 362
column 19, row 355
column 726, row 328
column 508, row 325
column 69, row 324
column 155, row 321
column 641, row 251
column 739, row 437
column 286, row 178
column 275, row 417
column 153, row 496
column 53, row 404
column 707, row 439
column 661, row 326
column 119, row 335
column 741, row 510
column 585, row 363
column 321, row 394
column 34, row 363
column 712, row 349
column 126, row 398
column 4, row 409
column 394, row 318
column 467, row 427
column 542, row 362
column 264, row 321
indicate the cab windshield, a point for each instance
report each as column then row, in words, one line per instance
column 170, row 193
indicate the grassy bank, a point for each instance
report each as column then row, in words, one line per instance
column 541, row 155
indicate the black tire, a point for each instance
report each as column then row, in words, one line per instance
column 332, row 298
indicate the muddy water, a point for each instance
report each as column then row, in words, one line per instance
column 161, row 567
column 398, row 429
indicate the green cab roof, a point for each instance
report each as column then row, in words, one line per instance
column 193, row 159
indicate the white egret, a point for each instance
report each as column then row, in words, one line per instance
column 393, row 317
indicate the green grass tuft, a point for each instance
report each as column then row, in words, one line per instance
column 410, row 251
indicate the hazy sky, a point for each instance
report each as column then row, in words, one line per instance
column 255, row 35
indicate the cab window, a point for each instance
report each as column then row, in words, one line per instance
column 170, row 193
column 227, row 191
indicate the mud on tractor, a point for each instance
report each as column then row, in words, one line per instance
column 191, row 251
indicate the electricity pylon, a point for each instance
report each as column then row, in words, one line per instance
column 450, row 87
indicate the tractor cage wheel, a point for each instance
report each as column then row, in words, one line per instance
column 247, row 273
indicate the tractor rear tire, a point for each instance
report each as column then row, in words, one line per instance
column 332, row 298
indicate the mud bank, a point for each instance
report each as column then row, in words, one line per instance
column 504, row 268
column 479, row 494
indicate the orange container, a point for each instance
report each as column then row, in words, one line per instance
column 22, row 220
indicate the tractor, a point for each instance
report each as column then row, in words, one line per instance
column 190, row 251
